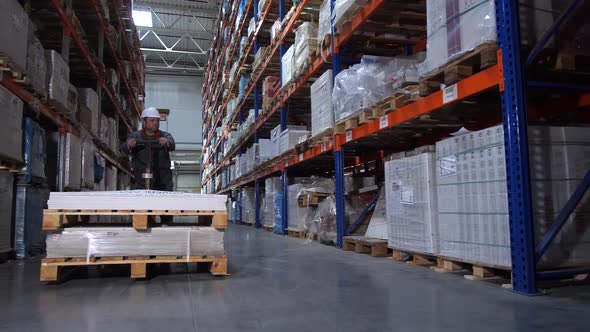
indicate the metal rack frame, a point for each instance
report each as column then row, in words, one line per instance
column 506, row 77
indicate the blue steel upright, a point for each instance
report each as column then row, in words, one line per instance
column 284, row 175
column 257, row 204
column 338, row 153
column 522, row 242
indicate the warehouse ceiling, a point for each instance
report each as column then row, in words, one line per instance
column 180, row 36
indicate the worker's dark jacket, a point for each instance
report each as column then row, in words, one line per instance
column 160, row 167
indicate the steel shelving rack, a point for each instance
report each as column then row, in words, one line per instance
column 89, row 66
column 502, row 88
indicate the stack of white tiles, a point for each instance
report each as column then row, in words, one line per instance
column 471, row 175
column 411, row 203
column 472, row 201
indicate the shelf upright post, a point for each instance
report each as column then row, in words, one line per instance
column 284, row 175
column 522, row 242
column 61, row 160
column 257, row 203
column 338, row 152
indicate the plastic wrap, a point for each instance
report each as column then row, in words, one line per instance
column 251, row 27
column 365, row 84
column 325, row 21
column 6, row 187
column 34, row 152
column 305, row 43
column 345, row 9
column 36, row 65
column 126, row 241
column 278, row 202
column 324, row 221
column 11, row 133
column 14, row 28
column 88, row 109
column 73, row 168
column 243, row 45
column 378, row 225
column 275, row 29
column 58, row 79
column 261, row 6
column 410, row 187
column 271, row 187
column 322, row 113
column 28, row 216
column 258, row 57
column 88, row 152
column 248, row 206
column 454, row 30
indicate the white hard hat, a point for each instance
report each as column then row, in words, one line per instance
column 150, row 112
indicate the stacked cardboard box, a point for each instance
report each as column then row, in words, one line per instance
column 11, row 133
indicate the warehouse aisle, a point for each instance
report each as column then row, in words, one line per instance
column 283, row 284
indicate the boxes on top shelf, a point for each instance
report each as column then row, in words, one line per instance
column 14, row 36
column 345, row 9
column 58, row 80
column 36, row 64
column 454, row 30
column 322, row 113
column 11, row 133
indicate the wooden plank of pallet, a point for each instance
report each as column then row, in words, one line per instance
column 365, row 245
column 296, row 233
column 50, row 267
column 347, row 124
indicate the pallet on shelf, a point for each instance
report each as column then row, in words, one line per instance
column 311, row 198
column 296, row 233
column 480, row 58
column 51, row 268
column 365, row 245
column 347, row 124
column 141, row 219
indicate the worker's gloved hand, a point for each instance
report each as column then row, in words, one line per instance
column 163, row 141
column 131, row 143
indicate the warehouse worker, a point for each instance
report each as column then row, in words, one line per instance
column 160, row 158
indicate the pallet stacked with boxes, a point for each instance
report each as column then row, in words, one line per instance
column 54, row 97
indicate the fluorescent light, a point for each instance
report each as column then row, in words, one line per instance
column 142, row 18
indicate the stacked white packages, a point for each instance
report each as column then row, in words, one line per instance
column 305, row 42
column 126, row 241
column 135, row 200
column 271, row 187
column 410, row 187
column 297, row 216
column 454, row 28
column 248, row 206
column 287, row 66
column 322, row 112
column 289, row 139
column 472, row 197
column 343, row 9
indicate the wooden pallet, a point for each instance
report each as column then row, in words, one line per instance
column 482, row 57
column 268, row 228
column 414, row 258
column 57, row 219
column 296, row 234
column 365, row 245
column 475, row 271
column 11, row 166
column 52, row 267
column 311, row 199
column 347, row 124
column 7, row 67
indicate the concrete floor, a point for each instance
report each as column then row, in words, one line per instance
column 284, row 284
